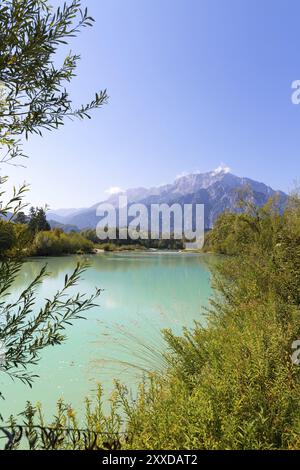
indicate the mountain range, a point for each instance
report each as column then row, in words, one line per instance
column 218, row 190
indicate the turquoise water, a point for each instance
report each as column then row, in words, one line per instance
column 143, row 293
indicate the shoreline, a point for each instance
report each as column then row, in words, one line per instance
column 99, row 251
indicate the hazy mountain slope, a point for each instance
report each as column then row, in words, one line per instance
column 65, row 227
column 60, row 215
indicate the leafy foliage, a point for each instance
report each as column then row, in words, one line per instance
column 100, row 431
column 232, row 384
column 37, row 220
column 123, row 244
column 33, row 96
column 24, row 332
column 57, row 243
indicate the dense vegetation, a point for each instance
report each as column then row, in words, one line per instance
column 128, row 244
column 229, row 384
column 34, row 237
column 57, row 243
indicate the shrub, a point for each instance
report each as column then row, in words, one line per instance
column 57, row 243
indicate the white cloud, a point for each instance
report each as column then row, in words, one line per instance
column 113, row 190
column 181, row 175
column 222, row 169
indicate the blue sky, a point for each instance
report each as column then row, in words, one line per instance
column 192, row 84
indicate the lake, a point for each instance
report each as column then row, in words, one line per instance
column 121, row 338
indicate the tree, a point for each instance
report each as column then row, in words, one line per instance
column 33, row 98
column 38, row 221
column 6, row 237
column 21, row 218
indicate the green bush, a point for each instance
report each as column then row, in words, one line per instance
column 56, row 242
column 14, row 239
column 7, row 237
